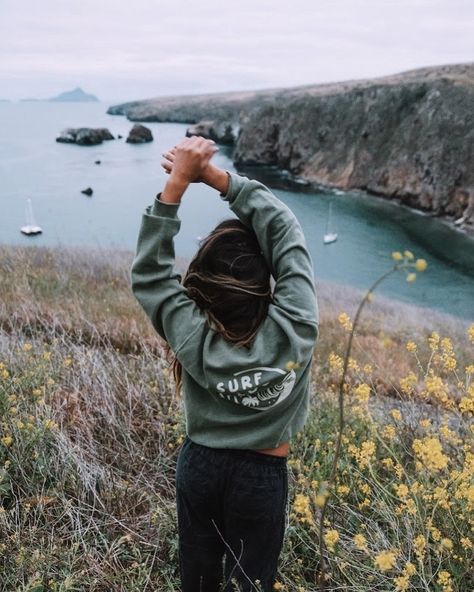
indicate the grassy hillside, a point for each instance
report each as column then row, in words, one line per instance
column 90, row 428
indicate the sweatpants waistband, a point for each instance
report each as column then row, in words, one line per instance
column 240, row 452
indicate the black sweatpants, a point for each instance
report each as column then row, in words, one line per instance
column 232, row 510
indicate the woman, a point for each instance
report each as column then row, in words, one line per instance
column 242, row 357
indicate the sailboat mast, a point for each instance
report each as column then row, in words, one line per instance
column 328, row 222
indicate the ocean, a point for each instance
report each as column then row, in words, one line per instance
column 33, row 165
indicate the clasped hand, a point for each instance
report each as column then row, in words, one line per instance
column 187, row 161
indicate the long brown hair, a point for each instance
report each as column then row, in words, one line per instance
column 229, row 280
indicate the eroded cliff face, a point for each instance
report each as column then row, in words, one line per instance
column 408, row 136
column 413, row 141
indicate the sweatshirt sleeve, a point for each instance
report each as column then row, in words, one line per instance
column 283, row 245
column 155, row 282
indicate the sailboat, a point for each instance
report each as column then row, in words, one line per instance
column 329, row 236
column 31, row 228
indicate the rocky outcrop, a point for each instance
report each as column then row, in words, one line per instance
column 413, row 141
column 139, row 134
column 223, row 133
column 408, row 137
column 84, row 136
column 219, row 116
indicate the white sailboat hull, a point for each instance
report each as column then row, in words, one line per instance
column 30, row 230
column 330, row 237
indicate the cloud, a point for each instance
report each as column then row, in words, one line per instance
column 180, row 46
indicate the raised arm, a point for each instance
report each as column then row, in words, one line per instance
column 280, row 237
column 155, row 281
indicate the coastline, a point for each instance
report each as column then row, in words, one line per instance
column 407, row 137
column 302, row 185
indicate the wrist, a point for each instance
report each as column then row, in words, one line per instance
column 216, row 178
column 174, row 190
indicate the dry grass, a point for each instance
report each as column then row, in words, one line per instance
column 90, row 429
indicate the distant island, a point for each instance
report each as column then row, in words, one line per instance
column 75, row 95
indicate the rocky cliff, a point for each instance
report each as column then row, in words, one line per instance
column 409, row 136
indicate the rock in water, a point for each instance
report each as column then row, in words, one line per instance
column 67, row 136
column 139, row 134
column 223, row 132
column 201, row 128
column 84, row 136
column 87, row 191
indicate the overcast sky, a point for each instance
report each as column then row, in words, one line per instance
column 143, row 48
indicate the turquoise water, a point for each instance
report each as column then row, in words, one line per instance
column 33, row 165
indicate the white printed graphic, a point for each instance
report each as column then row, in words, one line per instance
column 259, row 388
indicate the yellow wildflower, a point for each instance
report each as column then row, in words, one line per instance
column 466, row 543
column 364, row 454
column 396, row 414
column 360, row 542
column 320, row 500
column 345, row 321
column 331, row 537
column 402, row 583
column 353, row 365
column 408, row 382
column 430, row 453
column 411, row 277
column 410, row 569
column 397, row 256
column 470, row 333
column 49, row 424
column 444, row 578
column 411, row 346
column 441, row 495
column 419, row 544
column 362, row 392
column 447, row 543
column 433, row 341
column 421, row 265
column 389, row 432
column 7, row 440
column 402, row 490
column 278, row 586
column 435, row 387
column 302, row 507
column 335, row 362
column 408, row 255
column 385, row 560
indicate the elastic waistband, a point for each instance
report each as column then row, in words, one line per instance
column 240, row 452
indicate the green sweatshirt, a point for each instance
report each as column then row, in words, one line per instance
column 234, row 396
